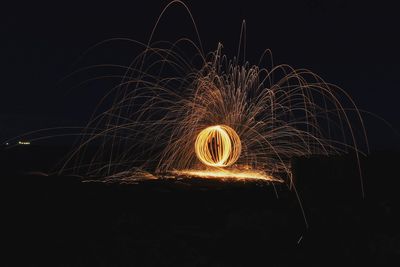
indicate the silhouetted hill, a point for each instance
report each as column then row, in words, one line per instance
column 60, row 221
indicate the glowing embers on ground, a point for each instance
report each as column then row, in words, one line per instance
column 228, row 174
column 218, row 146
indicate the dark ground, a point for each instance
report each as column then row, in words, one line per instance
column 59, row 221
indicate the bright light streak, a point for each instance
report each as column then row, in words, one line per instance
column 218, row 146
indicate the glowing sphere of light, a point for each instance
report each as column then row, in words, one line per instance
column 218, row 146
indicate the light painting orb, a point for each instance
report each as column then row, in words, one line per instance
column 218, row 146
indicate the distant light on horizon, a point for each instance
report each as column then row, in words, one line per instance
column 22, row 143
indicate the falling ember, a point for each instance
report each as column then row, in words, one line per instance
column 218, row 146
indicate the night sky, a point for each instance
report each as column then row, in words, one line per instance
column 353, row 45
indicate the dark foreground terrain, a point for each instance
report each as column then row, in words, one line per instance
column 60, row 221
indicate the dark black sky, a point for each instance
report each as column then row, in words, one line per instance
column 354, row 45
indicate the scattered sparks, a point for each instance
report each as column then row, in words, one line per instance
column 176, row 114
